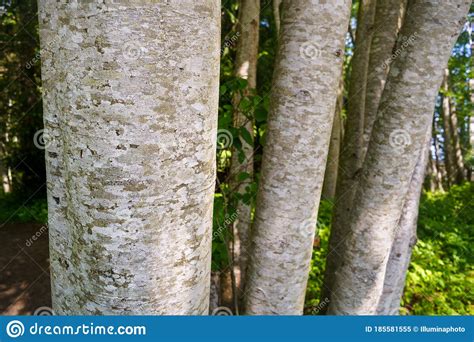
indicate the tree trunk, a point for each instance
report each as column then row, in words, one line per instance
column 388, row 21
column 398, row 137
column 246, row 68
column 130, row 102
column 332, row 165
column 449, row 154
column 405, row 239
column 276, row 14
column 459, row 175
column 350, row 159
column 437, row 161
column 305, row 85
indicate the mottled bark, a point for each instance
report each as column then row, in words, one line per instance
column 388, row 21
column 305, row 83
column 405, row 238
column 130, row 102
column 245, row 68
column 398, row 137
column 332, row 165
column 350, row 160
column 448, row 147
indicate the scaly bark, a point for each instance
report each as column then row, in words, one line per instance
column 130, row 101
column 332, row 165
column 405, row 239
column 305, row 83
column 388, row 21
column 350, row 160
column 246, row 68
column 398, row 137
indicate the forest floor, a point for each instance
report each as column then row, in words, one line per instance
column 24, row 269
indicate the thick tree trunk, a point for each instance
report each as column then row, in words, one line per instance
column 397, row 140
column 246, row 68
column 332, row 165
column 405, row 239
column 305, row 85
column 350, row 160
column 388, row 21
column 130, row 102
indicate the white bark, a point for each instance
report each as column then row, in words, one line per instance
column 130, row 101
column 397, row 139
column 351, row 157
column 405, row 239
column 389, row 16
column 332, row 165
column 305, row 86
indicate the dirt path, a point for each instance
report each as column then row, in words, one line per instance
column 24, row 269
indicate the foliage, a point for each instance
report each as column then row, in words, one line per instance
column 12, row 210
column 440, row 280
column 441, row 275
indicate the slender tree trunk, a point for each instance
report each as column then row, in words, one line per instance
column 350, row 159
column 246, row 68
column 405, row 239
column 459, row 176
column 437, row 161
column 397, row 140
column 305, row 85
column 130, row 102
column 388, row 21
column 449, row 154
column 332, row 165
column 276, row 14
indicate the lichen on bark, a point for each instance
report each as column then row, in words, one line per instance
column 130, row 100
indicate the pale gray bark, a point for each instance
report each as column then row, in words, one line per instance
column 405, row 239
column 246, row 68
column 449, row 157
column 332, row 165
column 130, row 102
column 351, row 157
column 398, row 137
column 388, row 21
column 305, row 85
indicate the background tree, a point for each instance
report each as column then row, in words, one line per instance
column 384, row 178
column 305, row 85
